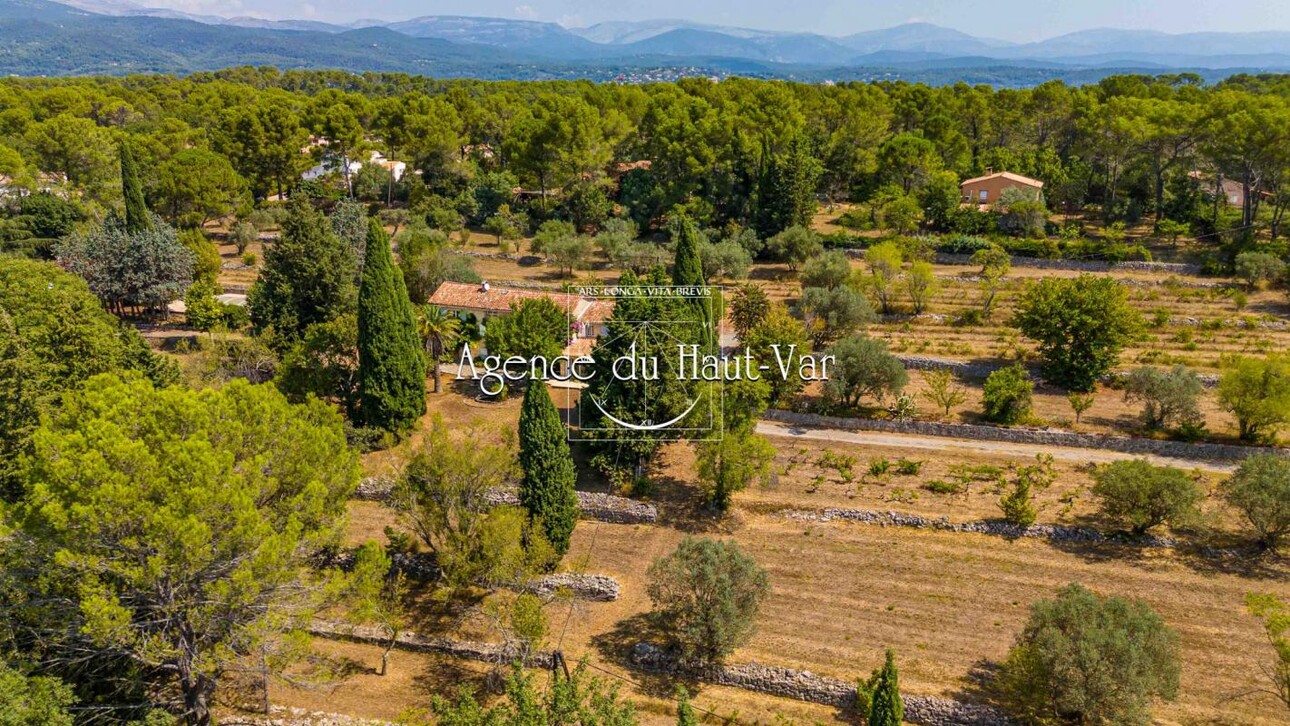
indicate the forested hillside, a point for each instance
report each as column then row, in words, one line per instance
column 753, row 153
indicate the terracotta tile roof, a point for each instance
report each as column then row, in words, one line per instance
column 623, row 167
column 498, row 300
column 1009, row 176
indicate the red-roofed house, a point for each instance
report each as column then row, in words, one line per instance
column 987, row 189
column 587, row 316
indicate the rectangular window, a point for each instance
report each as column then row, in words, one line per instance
column 985, row 195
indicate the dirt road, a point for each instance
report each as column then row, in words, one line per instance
column 936, row 443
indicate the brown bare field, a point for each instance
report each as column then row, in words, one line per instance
column 948, row 603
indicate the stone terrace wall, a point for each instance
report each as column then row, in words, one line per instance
column 967, row 369
column 467, row 649
column 421, row 566
column 996, row 528
column 594, row 505
column 1040, row 263
column 284, row 716
column 1066, row 439
column 812, row 688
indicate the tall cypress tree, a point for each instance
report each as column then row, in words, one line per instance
column 391, row 367
column 687, row 271
column 688, row 268
column 546, row 490
column 136, row 211
column 886, row 708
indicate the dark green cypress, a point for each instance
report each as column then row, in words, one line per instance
column 887, row 709
column 687, row 271
column 391, row 366
column 546, row 491
column 688, row 268
column 136, row 211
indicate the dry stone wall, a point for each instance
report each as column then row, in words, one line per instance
column 284, row 716
column 1040, row 263
column 966, row 369
column 812, row 688
column 1041, row 437
column 421, row 566
column 410, row 641
column 996, row 528
column 594, row 505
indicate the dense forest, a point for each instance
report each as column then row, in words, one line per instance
column 754, row 154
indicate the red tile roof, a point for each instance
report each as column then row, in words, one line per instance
column 1017, row 178
column 498, row 300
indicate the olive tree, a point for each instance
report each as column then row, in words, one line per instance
column 1140, row 495
column 1260, row 491
column 1090, row 660
column 830, row 314
column 706, row 595
column 863, row 367
column 1168, row 397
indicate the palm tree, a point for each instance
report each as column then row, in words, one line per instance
column 440, row 330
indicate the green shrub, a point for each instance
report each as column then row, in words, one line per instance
column 706, row 595
column 940, row 486
column 1088, row 660
column 1141, row 496
column 906, row 467
column 1007, row 395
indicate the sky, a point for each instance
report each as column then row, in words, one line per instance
column 1015, row 20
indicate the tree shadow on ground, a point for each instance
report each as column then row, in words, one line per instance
column 980, row 685
column 615, row 647
column 1204, row 552
column 684, row 507
column 446, row 677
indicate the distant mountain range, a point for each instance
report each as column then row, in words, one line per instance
column 38, row 37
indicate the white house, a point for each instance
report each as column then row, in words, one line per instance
column 330, row 165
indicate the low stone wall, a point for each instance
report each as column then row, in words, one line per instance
column 1040, row 437
column 284, row 716
column 967, row 369
column 812, row 688
column 421, row 566
column 960, row 368
column 996, row 528
column 593, row 505
column 374, row 489
column 597, row 588
column 1040, row 263
column 410, row 641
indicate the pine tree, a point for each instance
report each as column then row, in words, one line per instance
column 307, row 277
column 391, row 366
column 137, row 218
column 887, row 709
column 684, row 711
column 546, row 490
